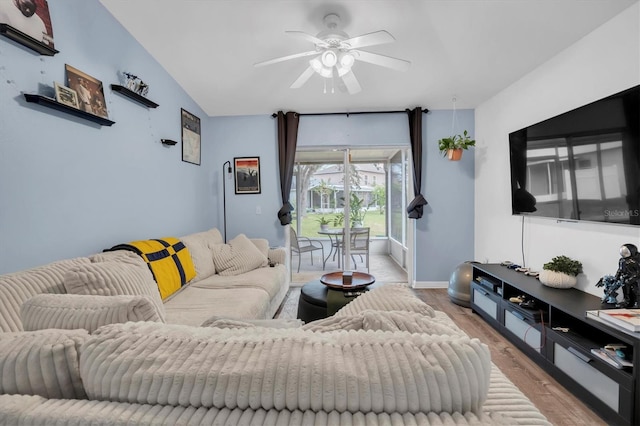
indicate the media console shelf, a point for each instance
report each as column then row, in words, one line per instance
column 52, row 103
column 133, row 95
column 559, row 337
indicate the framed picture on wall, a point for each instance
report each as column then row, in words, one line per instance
column 30, row 18
column 66, row 95
column 90, row 91
column 190, row 137
column 247, row 175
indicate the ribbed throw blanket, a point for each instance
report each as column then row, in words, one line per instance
column 258, row 368
column 168, row 259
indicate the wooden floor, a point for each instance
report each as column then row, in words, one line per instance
column 559, row 406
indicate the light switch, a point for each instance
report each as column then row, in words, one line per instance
column 258, row 210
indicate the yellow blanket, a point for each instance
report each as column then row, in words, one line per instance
column 168, row 259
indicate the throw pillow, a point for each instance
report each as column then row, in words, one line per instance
column 73, row 311
column 200, row 246
column 112, row 279
column 44, row 363
column 262, row 245
column 240, row 255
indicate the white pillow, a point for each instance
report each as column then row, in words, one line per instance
column 238, row 256
column 44, row 363
column 113, row 279
column 74, row 311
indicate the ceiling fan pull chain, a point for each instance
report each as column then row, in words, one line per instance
column 325, row 87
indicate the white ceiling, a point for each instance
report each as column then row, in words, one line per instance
column 467, row 49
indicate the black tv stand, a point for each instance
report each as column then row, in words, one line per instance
column 559, row 336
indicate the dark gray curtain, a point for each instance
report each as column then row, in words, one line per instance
column 287, row 141
column 415, row 208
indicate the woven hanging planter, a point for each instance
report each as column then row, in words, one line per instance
column 557, row 279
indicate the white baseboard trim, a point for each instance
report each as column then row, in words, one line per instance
column 430, row 284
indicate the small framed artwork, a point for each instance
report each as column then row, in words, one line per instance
column 190, row 137
column 247, row 174
column 90, row 91
column 66, row 95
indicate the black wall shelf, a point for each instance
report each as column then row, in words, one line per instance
column 133, row 95
column 52, row 103
column 168, row 142
column 26, row 40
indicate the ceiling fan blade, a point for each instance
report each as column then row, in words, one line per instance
column 382, row 60
column 313, row 39
column 300, row 81
column 370, row 39
column 351, row 82
column 285, row 58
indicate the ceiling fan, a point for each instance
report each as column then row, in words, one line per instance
column 335, row 53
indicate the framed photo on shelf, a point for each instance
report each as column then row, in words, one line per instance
column 65, row 95
column 247, row 175
column 190, row 137
column 90, row 91
column 29, row 17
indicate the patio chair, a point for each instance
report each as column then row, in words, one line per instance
column 301, row 245
column 360, row 246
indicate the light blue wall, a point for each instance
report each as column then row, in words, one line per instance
column 444, row 236
column 69, row 187
column 445, row 233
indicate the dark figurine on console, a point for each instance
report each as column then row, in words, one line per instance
column 611, row 286
column 629, row 274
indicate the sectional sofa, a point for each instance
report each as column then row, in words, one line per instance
column 108, row 353
column 241, row 279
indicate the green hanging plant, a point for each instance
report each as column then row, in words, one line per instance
column 462, row 141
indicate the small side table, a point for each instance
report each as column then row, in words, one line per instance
column 312, row 304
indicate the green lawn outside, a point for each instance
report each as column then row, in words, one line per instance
column 310, row 225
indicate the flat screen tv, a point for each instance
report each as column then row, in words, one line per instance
column 581, row 165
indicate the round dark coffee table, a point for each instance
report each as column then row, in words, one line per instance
column 312, row 304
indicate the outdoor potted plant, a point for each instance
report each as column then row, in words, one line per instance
column 357, row 212
column 452, row 146
column 561, row 272
column 324, row 223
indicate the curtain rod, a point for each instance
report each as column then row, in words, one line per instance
column 274, row 115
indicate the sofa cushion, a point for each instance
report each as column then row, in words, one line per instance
column 72, row 311
column 238, row 256
column 294, row 369
column 17, row 287
column 222, row 322
column 411, row 322
column 389, row 297
column 200, row 246
column 270, row 279
column 112, row 279
column 194, row 305
column 44, row 363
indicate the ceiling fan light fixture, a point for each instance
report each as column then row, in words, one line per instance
column 316, row 64
column 326, row 72
column 329, row 58
column 347, row 60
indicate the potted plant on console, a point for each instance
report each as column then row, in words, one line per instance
column 452, row 146
column 561, row 272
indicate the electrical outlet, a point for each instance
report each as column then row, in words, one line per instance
column 258, row 210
